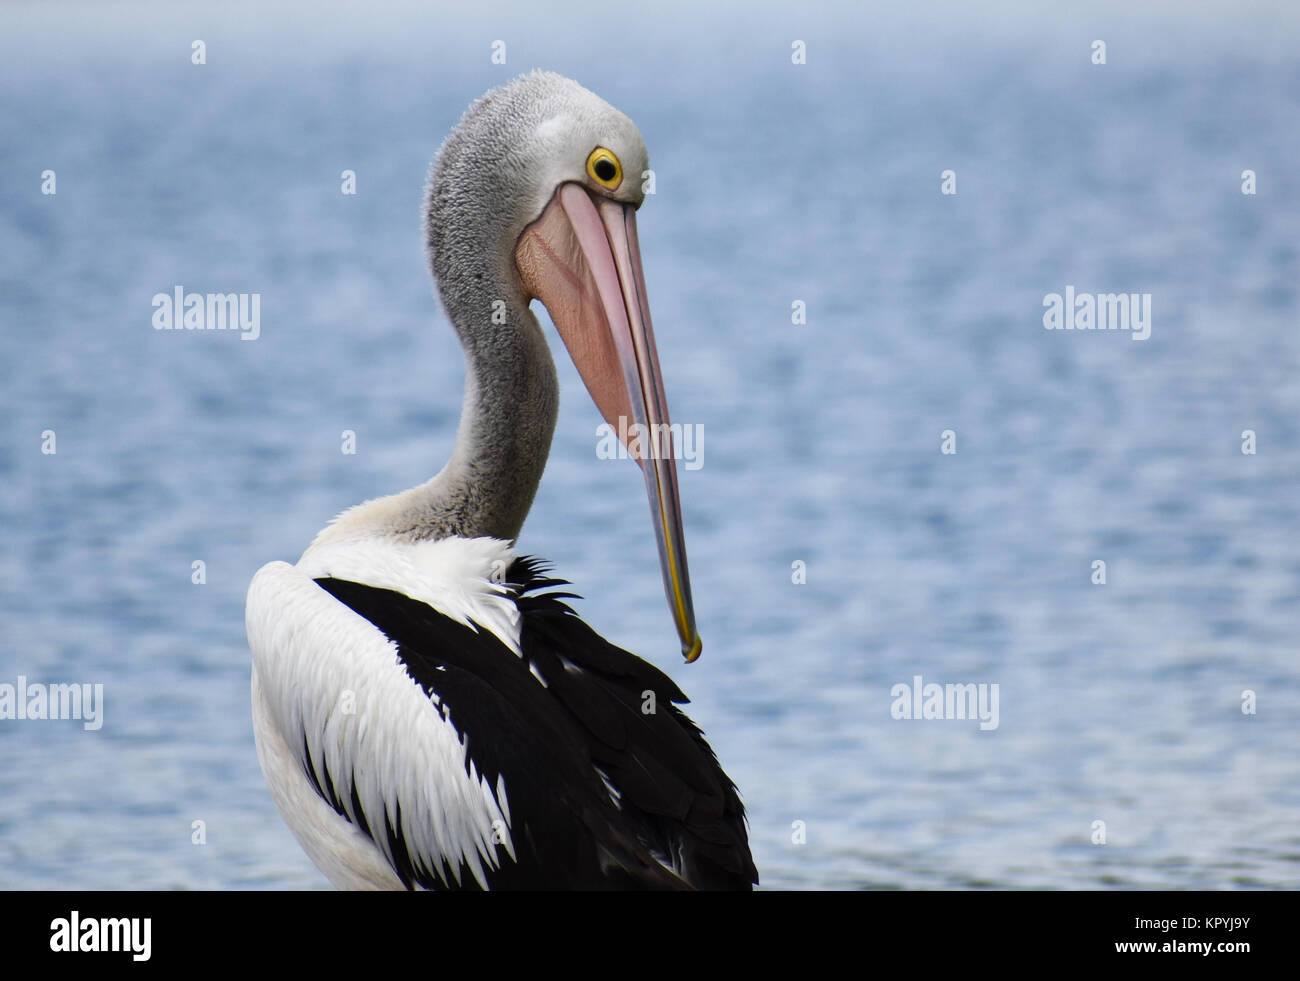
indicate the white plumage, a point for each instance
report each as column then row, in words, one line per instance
column 324, row 672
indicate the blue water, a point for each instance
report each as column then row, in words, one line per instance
column 775, row 182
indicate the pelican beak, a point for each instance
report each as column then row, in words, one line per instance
column 582, row 260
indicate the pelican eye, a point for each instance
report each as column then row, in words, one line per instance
column 603, row 168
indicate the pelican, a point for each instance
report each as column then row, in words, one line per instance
column 429, row 712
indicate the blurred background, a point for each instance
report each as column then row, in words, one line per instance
column 775, row 182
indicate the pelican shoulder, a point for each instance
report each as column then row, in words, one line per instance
column 340, row 722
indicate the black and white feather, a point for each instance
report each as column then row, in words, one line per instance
column 437, row 730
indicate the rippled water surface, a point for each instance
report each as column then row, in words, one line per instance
column 1119, row 703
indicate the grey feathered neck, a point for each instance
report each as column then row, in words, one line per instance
column 489, row 181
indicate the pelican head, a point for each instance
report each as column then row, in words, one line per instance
column 534, row 196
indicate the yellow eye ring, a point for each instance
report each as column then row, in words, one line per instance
column 603, row 168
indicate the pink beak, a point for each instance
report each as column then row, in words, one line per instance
column 582, row 260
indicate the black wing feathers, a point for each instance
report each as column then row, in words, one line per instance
column 660, row 760
column 674, row 799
